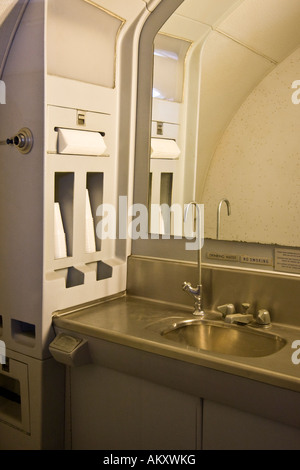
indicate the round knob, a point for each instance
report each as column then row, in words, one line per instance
column 263, row 317
column 24, row 140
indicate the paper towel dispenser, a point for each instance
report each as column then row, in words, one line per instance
column 164, row 148
column 80, row 142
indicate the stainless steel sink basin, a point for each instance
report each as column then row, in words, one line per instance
column 225, row 339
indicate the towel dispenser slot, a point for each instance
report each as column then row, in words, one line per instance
column 102, row 133
column 164, row 148
column 95, row 187
column 80, row 142
column 64, row 195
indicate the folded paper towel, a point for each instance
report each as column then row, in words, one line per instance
column 60, row 247
column 164, row 148
column 74, row 142
column 90, row 243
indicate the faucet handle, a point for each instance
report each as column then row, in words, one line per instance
column 263, row 317
column 226, row 309
column 246, row 307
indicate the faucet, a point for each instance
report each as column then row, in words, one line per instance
column 196, row 292
column 219, row 214
column 231, row 316
column 263, row 318
column 260, row 319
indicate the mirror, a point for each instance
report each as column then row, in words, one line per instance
column 230, row 106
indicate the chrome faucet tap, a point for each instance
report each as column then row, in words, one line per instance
column 219, row 214
column 263, row 318
column 260, row 319
column 196, row 292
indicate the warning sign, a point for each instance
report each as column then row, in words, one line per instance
column 287, row 260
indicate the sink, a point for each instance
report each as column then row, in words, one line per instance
column 221, row 338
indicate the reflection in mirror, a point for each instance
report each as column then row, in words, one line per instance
column 169, row 61
column 235, row 122
column 166, row 160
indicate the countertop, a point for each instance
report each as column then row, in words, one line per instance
column 137, row 323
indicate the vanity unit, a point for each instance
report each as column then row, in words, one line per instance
column 137, row 389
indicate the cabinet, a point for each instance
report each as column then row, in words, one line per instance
column 145, row 401
column 29, row 389
column 112, row 410
column 129, row 397
column 226, row 428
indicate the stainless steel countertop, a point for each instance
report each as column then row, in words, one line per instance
column 137, row 323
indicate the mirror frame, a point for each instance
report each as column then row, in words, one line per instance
column 151, row 246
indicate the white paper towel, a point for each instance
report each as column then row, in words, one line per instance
column 60, row 247
column 164, row 148
column 90, row 243
column 74, row 142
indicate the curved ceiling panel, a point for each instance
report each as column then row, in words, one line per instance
column 207, row 11
column 270, row 27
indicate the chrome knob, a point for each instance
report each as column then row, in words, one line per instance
column 23, row 140
column 263, row 317
column 226, row 309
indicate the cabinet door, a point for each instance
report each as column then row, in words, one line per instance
column 111, row 410
column 226, row 428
